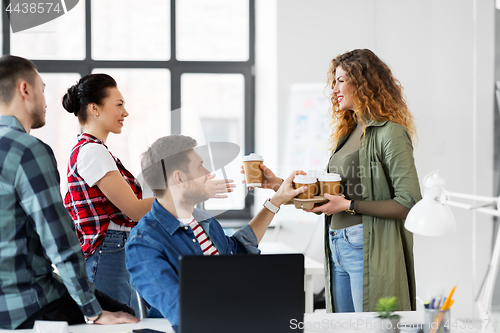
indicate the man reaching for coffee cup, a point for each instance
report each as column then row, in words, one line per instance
column 174, row 171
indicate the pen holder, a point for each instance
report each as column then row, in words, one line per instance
column 437, row 321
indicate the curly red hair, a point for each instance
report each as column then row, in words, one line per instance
column 376, row 93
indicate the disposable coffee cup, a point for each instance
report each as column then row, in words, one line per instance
column 330, row 183
column 317, row 174
column 304, row 180
column 253, row 172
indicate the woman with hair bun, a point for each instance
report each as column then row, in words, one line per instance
column 104, row 199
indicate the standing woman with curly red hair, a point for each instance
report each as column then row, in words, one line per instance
column 369, row 253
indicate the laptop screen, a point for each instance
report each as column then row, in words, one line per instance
column 241, row 293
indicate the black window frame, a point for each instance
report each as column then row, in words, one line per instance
column 176, row 68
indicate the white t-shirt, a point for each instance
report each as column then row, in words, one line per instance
column 185, row 222
column 94, row 162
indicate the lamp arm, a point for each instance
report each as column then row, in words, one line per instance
column 489, row 201
column 470, row 196
column 485, row 293
column 488, row 211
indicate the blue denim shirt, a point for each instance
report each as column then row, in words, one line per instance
column 155, row 245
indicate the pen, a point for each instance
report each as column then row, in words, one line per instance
column 445, row 306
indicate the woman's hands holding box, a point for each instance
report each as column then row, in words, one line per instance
column 335, row 204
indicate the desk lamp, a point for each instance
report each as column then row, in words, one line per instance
column 432, row 216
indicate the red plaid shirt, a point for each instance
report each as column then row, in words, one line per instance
column 89, row 208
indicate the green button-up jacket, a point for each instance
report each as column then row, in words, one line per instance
column 387, row 172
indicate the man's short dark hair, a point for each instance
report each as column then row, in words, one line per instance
column 166, row 155
column 13, row 69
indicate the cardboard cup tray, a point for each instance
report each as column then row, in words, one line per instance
column 307, row 203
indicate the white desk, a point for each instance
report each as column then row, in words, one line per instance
column 367, row 322
column 161, row 325
column 311, row 267
column 311, row 323
column 349, row 322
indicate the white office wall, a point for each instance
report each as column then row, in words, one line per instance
column 442, row 51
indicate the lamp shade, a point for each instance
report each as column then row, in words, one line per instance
column 430, row 217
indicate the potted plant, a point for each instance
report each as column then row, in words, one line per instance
column 388, row 319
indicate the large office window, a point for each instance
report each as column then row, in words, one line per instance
column 183, row 66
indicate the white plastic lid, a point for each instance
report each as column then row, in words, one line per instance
column 304, row 179
column 253, row 157
column 330, row 177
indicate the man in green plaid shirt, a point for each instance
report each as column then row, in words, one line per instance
column 35, row 228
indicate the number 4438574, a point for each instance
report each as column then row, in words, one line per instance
column 33, row 8
column 472, row 324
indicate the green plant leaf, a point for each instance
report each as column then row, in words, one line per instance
column 386, row 306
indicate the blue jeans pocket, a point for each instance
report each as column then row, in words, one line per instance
column 111, row 245
column 354, row 236
column 107, row 269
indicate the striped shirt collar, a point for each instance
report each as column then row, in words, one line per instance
column 185, row 222
column 172, row 224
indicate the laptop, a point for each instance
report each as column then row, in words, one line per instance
column 241, row 293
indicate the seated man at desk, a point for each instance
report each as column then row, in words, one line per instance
column 174, row 171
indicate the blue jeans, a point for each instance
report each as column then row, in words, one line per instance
column 346, row 246
column 106, row 268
